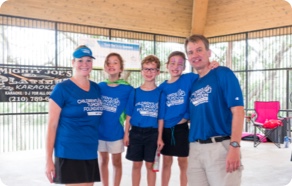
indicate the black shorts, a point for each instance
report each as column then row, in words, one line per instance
column 142, row 144
column 76, row 171
column 176, row 140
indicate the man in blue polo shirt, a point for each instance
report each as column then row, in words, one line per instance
column 217, row 115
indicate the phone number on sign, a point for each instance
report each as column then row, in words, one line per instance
column 28, row 99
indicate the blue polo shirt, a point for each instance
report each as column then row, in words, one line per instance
column 212, row 97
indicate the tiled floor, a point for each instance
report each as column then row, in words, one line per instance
column 265, row 165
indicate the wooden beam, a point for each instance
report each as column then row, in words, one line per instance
column 167, row 17
column 200, row 8
column 237, row 16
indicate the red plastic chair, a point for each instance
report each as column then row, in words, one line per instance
column 267, row 121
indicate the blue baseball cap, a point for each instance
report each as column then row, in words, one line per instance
column 82, row 52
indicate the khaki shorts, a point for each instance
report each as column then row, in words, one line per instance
column 113, row 147
column 207, row 165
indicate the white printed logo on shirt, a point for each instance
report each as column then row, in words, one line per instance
column 93, row 108
column 201, row 96
column 176, row 98
column 110, row 104
column 148, row 109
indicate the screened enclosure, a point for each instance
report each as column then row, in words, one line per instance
column 260, row 59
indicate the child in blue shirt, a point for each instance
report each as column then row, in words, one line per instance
column 144, row 123
column 176, row 129
column 114, row 94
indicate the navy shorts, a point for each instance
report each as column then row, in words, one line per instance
column 142, row 144
column 176, row 140
column 76, row 171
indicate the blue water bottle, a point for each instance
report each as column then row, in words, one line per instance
column 286, row 142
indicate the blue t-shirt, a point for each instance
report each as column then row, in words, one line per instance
column 177, row 99
column 212, row 97
column 145, row 107
column 114, row 101
column 77, row 132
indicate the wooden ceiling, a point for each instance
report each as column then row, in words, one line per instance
column 167, row 17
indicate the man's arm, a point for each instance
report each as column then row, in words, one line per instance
column 233, row 156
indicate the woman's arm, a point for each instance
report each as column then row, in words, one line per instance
column 54, row 115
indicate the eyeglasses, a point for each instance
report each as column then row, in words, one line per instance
column 152, row 70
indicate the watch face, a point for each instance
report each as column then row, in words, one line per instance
column 234, row 144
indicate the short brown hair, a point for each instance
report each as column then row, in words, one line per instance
column 151, row 59
column 176, row 53
column 195, row 38
column 118, row 56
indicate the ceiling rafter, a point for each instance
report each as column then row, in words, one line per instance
column 199, row 16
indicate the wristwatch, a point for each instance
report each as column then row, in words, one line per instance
column 234, row 144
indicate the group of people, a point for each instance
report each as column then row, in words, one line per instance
column 86, row 118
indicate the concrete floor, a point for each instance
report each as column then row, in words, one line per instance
column 265, row 165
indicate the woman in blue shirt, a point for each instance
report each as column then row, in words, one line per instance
column 75, row 109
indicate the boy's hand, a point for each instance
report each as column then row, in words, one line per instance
column 160, row 144
column 126, row 140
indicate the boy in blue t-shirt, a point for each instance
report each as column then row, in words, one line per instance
column 144, row 122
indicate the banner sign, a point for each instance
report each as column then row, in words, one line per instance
column 130, row 52
column 29, row 84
